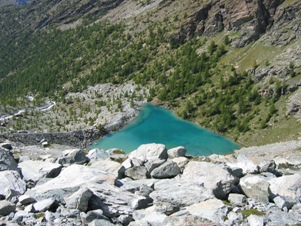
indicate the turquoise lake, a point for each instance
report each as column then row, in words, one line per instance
column 158, row 125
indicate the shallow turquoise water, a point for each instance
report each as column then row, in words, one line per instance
column 158, row 125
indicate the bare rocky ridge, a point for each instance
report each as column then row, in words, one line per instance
column 153, row 186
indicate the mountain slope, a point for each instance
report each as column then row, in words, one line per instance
column 231, row 66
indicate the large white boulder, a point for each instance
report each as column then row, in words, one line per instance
column 69, row 180
column 287, row 186
column 147, row 152
column 108, row 166
column 35, row 170
column 212, row 209
column 256, row 187
column 213, row 176
column 11, row 181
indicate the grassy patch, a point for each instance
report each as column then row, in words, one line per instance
column 250, row 212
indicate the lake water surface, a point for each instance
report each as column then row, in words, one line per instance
column 158, row 125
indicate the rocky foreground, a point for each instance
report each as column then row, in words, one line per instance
column 151, row 186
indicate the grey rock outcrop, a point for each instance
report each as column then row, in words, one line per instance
column 36, row 170
column 211, row 209
column 177, row 152
column 6, row 207
column 11, row 181
column 79, row 200
column 7, row 161
column 167, row 170
column 213, row 176
column 256, row 187
column 73, row 156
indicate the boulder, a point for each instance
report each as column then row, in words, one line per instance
column 254, row 220
column 181, row 162
column 136, row 172
column 213, row 176
column 115, row 203
column 25, row 200
column 154, row 163
column 35, row 170
column 100, row 222
column 179, row 193
column 94, row 215
column 98, row 153
column 108, row 166
column 79, row 200
column 256, row 187
column 237, row 199
column 289, row 186
column 69, row 180
column 177, row 152
column 284, row 202
column 168, row 170
column 147, row 152
column 43, row 205
column 73, row 156
column 246, row 163
column 6, row 208
column 150, row 216
column 7, row 161
column 212, row 209
column 7, row 146
column 11, row 180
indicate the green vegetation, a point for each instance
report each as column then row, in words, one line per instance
column 250, row 212
column 202, row 80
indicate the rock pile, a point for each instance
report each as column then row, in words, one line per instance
column 150, row 186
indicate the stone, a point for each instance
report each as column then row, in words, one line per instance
column 177, row 152
column 45, row 144
column 69, row 180
column 237, row 199
column 135, row 185
column 100, row 222
column 139, row 203
column 43, row 205
column 154, row 163
column 98, row 153
column 108, row 166
column 11, row 180
column 94, row 214
column 36, row 170
column 179, row 193
column 147, row 152
column 270, row 167
column 254, row 220
column 79, row 200
column 282, row 202
column 181, row 162
column 25, row 200
column 167, row 170
column 186, row 219
column 6, row 208
column 213, row 176
column 255, row 187
column 136, row 172
column 7, row 146
column 246, row 163
column 287, row 186
column 7, row 161
column 73, row 156
column 113, row 201
column 150, row 216
column 212, row 209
